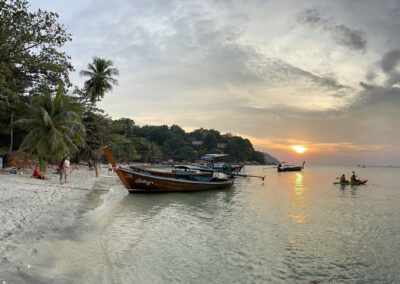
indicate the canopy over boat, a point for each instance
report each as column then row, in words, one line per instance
column 194, row 168
column 213, row 156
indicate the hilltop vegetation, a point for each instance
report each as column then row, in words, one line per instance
column 156, row 143
column 42, row 114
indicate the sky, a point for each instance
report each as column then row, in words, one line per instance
column 324, row 75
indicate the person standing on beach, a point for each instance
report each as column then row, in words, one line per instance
column 96, row 167
column 66, row 168
column 70, row 167
column 62, row 170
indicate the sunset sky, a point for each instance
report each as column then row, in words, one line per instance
column 324, row 75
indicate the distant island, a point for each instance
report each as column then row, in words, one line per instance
column 269, row 160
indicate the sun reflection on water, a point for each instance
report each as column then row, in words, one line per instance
column 298, row 200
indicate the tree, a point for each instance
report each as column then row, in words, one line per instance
column 98, row 133
column 156, row 134
column 211, row 139
column 54, row 124
column 177, row 130
column 172, row 147
column 100, row 73
column 29, row 55
column 148, row 151
column 124, row 126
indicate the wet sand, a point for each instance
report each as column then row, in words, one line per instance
column 32, row 210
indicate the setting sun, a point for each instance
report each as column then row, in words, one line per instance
column 299, row 149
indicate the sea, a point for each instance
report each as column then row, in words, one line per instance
column 294, row 227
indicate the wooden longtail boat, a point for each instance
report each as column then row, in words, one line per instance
column 140, row 182
column 291, row 168
column 219, row 166
column 174, row 174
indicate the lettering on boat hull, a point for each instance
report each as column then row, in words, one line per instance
column 143, row 181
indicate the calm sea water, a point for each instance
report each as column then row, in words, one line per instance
column 293, row 228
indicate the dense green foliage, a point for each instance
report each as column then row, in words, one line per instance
column 51, row 124
column 29, row 58
column 54, row 125
column 163, row 143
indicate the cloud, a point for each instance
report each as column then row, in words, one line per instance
column 195, row 58
column 343, row 35
column 389, row 64
column 311, row 17
column 352, row 39
column 370, row 76
column 390, row 60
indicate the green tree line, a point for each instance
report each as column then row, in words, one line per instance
column 43, row 115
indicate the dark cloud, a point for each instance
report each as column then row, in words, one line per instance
column 389, row 64
column 311, row 17
column 343, row 35
column 370, row 76
column 375, row 97
column 390, row 60
column 352, row 39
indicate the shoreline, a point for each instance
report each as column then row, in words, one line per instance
column 33, row 211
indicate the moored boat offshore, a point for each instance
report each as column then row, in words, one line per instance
column 144, row 182
column 290, row 168
column 220, row 166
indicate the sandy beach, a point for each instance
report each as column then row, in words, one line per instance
column 33, row 209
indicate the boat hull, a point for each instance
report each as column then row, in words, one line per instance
column 364, row 181
column 291, row 169
column 137, row 182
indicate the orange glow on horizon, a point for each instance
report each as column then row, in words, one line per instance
column 299, row 149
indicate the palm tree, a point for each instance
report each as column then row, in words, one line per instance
column 100, row 81
column 55, row 127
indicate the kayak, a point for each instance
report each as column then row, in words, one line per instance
column 364, row 181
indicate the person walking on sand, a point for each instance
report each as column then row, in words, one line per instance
column 110, row 169
column 66, row 168
column 96, row 167
column 70, row 167
column 62, row 170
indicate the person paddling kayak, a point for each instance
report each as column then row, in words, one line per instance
column 353, row 180
column 354, row 177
